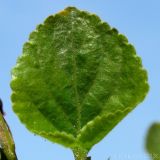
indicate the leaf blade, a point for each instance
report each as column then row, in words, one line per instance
column 74, row 70
column 6, row 141
column 153, row 141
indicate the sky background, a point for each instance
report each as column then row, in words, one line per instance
column 138, row 20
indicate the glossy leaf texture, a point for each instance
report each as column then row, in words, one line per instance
column 153, row 141
column 76, row 79
column 7, row 146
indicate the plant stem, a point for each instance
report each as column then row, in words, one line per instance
column 80, row 154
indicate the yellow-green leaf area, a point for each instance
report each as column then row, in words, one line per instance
column 7, row 147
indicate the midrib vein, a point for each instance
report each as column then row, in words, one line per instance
column 78, row 106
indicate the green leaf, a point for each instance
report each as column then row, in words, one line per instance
column 153, row 141
column 7, row 147
column 76, row 80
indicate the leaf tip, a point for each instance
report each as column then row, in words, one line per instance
column 67, row 10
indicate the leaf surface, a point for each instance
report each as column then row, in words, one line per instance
column 7, row 147
column 153, row 141
column 76, row 79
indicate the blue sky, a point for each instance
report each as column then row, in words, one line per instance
column 137, row 19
